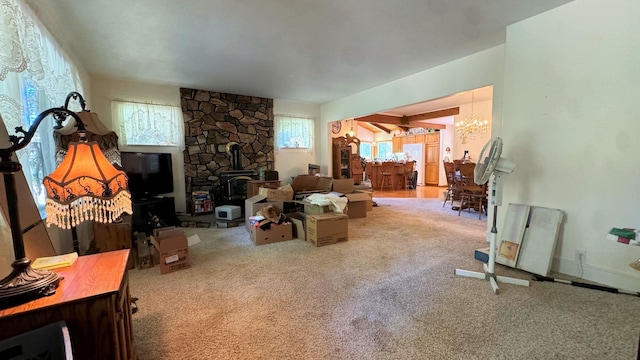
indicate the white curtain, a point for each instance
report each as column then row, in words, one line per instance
column 148, row 124
column 293, row 132
column 35, row 74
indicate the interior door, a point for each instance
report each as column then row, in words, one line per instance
column 432, row 164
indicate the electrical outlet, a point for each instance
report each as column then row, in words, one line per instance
column 581, row 255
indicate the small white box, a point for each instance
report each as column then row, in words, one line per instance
column 228, row 212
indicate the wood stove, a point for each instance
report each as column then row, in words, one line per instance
column 233, row 184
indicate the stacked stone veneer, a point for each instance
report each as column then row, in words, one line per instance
column 214, row 119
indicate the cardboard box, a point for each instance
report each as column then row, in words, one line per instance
column 346, row 186
column 173, row 249
column 343, row 186
column 255, row 203
column 326, row 229
column 277, row 233
column 313, row 209
column 298, row 220
column 283, row 193
column 370, row 201
column 307, row 184
column 357, row 205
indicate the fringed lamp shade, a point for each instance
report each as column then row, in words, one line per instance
column 85, row 186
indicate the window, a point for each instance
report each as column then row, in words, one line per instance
column 366, row 150
column 35, row 75
column 293, row 132
column 385, row 150
column 148, row 124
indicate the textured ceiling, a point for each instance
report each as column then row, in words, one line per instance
column 304, row 50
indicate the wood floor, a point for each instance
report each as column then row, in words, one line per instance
column 419, row 192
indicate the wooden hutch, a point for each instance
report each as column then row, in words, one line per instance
column 347, row 163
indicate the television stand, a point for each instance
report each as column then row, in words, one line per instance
column 162, row 207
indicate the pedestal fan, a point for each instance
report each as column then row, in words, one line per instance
column 490, row 163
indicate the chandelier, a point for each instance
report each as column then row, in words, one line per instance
column 471, row 127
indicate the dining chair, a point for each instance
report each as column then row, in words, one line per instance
column 456, row 164
column 452, row 191
column 472, row 195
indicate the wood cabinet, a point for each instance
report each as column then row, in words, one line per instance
column 357, row 171
column 344, row 150
column 114, row 236
column 341, row 162
column 413, row 139
column 93, row 299
column 432, row 138
column 398, row 141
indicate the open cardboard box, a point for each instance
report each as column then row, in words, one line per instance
column 346, row 187
column 313, row 209
column 283, row 193
column 172, row 247
column 276, row 233
column 308, row 184
column 357, row 205
column 255, row 203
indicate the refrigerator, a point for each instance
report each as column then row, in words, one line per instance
column 416, row 152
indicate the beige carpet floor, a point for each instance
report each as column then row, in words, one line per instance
column 388, row 293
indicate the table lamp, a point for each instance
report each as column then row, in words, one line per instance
column 85, row 186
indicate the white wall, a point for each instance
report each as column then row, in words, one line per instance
column 364, row 135
column 292, row 162
column 481, row 109
column 572, row 122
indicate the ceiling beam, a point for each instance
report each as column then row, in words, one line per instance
column 378, row 118
column 387, row 130
column 411, row 121
column 435, row 114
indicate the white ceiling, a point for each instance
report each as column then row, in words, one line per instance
column 304, row 50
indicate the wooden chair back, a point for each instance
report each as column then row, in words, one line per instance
column 456, row 164
column 387, row 167
column 409, row 166
column 475, row 195
column 465, row 181
column 450, row 172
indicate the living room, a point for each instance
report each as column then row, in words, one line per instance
column 563, row 102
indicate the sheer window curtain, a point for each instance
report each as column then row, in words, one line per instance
column 148, row 124
column 294, row 132
column 35, row 74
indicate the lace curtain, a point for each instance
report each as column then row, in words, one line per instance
column 148, row 124
column 35, row 74
column 294, row 132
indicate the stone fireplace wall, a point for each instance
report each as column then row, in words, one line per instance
column 214, row 119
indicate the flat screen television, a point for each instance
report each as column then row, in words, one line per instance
column 150, row 174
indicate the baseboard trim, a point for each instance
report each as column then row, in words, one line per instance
column 605, row 276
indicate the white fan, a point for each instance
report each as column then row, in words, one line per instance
column 490, row 163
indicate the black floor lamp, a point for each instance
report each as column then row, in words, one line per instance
column 85, row 186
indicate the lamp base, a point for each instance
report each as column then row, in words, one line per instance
column 26, row 283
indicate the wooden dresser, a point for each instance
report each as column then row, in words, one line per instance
column 93, row 300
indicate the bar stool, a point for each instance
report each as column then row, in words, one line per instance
column 387, row 175
column 404, row 175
